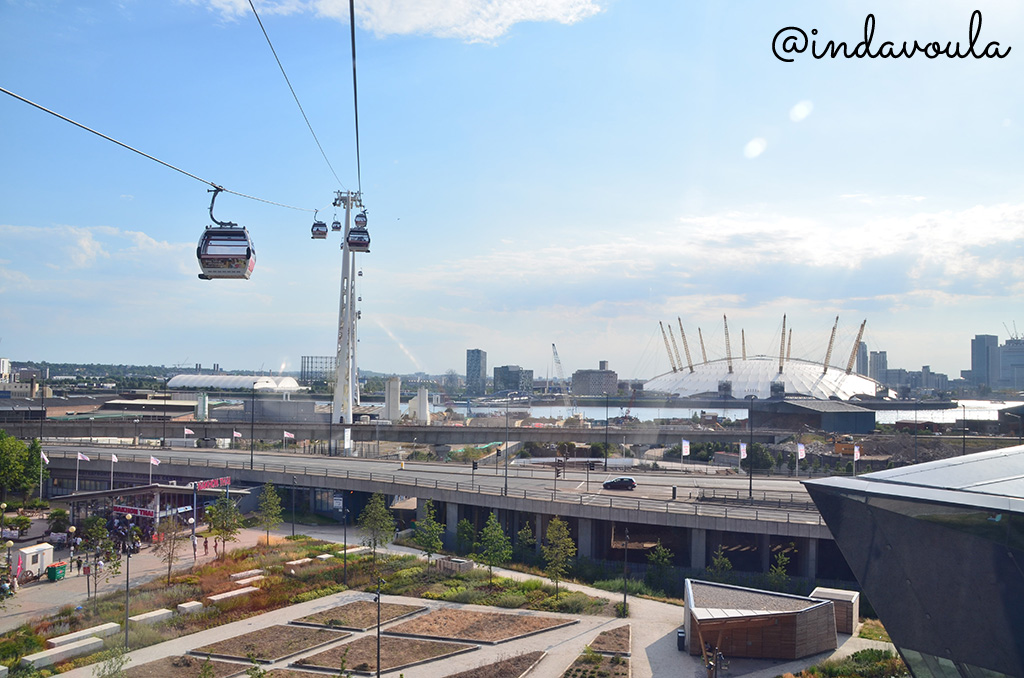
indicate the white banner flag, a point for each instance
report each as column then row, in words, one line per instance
column 743, row 450
column 289, row 435
column 236, row 434
column 154, row 461
column 113, row 458
column 189, row 432
column 82, row 457
column 686, row 448
column 800, row 451
column 856, row 452
column 42, row 455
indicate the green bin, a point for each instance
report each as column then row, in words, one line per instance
column 56, row 571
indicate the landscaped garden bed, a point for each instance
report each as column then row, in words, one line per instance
column 183, row 666
column 481, row 627
column 360, row 615
column 270, row 644
column 513, row 667
column 613, row 641
column 360, row 655
column 592, row 664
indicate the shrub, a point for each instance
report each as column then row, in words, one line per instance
column 510, row 600
column 572, row 603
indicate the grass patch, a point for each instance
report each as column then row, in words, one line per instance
column 863, row 663
column 872, row 629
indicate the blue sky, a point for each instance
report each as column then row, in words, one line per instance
column 536, row 171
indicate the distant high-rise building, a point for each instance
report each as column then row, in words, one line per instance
column 5, row 370
column 513, row 378
column 862, row 359
column 476, row 372
column 878, row 365
column 315, row 368
column 985, row 360
column 393, row 399
column 595, row 382
column 1011, row 364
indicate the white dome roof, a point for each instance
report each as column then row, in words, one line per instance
column 755, row 376
column 232, row 381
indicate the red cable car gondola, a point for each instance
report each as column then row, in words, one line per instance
column 225, row 251
column 358, row 236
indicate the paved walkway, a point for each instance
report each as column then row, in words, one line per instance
column 653, row 625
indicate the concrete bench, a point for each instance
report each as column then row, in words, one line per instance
column 352, row 550
column 301, row 562
column 3, row 671
column 191, row 607
column 58, row 654
column 101, row 631
column 324, row 556
column 250, row 580
column 245, row 575
column 151, row 617
column 231, row 594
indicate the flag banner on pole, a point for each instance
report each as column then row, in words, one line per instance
column 113, row 458
column 42, row 455
column 236, row 434
column 743, row 450
column 154, row 461
column 686, row 448
column 289, row 435
column 856, row 452
column 189, row 432
column 82, row 457
column 800, row 451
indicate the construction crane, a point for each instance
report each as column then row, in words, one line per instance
column 570, row 402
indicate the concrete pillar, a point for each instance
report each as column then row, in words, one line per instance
column 585, row 538
column 764, row 550
column 451, row 524
column 698, row 548
column 810, row 547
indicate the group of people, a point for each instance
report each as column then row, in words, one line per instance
column 8, row 586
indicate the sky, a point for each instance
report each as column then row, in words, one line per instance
column 534, row 172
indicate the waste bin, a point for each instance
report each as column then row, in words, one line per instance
column 681, row 639
column 56, row 571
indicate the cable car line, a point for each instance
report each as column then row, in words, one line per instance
column 296, row 96
column 147, row 155
column 355, row 91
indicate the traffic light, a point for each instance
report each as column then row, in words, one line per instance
column 558, row 472
column 476, row 465
column 591, row 465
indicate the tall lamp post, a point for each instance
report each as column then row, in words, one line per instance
column 606, row 431
column 128, row 548
column 750, row 452
column 294, row 483
column 3, row 516
column 377, row 598
column 252, row 426
column 71, row 541
column 9, row 544
column 344, row 555
column 963, row 436
column 625, row 588
column 505, row 491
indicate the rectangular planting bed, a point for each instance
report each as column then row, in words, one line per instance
column 270, row 644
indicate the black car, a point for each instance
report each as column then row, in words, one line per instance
column 620, row 483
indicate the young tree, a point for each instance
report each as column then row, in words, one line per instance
column 112, row 662
column 495, row 545
column 224, row 520
column 526, row 544
column 778, row 578
column 659, row 560
column 465, row 537
column 269, row 513
column 59, row 520
column 558, row 551
column 720, row 565
column 169, row 545
column 14, row 464
column 97, row 541
column 428, row 531
column 377, row 523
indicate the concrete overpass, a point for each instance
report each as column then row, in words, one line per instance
column 693, row 522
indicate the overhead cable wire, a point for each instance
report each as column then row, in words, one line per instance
column 355, row 90
column 147, row 155
column 294, row 95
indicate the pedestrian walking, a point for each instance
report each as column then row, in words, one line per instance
column 195, row 547
column 215, row 546
column 206, row 546
column 78, row 566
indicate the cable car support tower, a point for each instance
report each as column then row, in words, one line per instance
column 346, row 392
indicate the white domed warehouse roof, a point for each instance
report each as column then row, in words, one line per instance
column 755, row 376
column 230, row 381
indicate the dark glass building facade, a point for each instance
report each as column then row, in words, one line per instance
column 938, row 550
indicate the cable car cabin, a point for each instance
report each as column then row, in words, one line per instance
column 335, row 225
column 319, row 230
column 358, row 240
column 361, row 220
column 225, row 253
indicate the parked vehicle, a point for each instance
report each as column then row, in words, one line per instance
column 620, row 483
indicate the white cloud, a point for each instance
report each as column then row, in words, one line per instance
column 801, row 110
column 755, row 147
column 469, row 20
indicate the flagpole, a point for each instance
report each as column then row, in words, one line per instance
column 111, row 471
column 78, row 462
column 151, row 470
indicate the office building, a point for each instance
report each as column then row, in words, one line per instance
column 476, row 372
column 595, row 382
column 513, row 378
column 862, row 359
column 985, row 360
column 878, row 365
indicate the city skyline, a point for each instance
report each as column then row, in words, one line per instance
column 567, row 171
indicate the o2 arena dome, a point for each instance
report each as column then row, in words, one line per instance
column 762, row 376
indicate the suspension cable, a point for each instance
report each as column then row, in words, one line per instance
column 355, row 91
column 147, row 155
column 294, row 95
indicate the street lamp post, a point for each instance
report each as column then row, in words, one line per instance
column 294, row 482
column 136, row 421
column 252, row 426
column 3, row 516
column 195, row 544
column 606, row 431
column 344, row 555
column 9, row 544
column 1020, row 434
column 750, row 451
column 71, row 542
column 377, row 598
column 963, row 436
column 505, row 491
column 625, row 553
column 127, row 547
